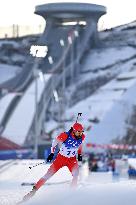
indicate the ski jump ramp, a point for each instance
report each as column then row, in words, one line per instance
column 76, row 25
column 71, row 30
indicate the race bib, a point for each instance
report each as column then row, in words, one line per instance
column 68, row 152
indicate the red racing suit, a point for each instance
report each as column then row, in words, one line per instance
column 69, row 147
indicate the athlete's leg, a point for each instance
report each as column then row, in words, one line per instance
column 73, row 168
column 56, row 165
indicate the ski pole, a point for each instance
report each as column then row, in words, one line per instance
column 37, row 165
column 79, row 114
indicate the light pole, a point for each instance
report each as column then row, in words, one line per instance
column 36, row 133
column 38, row 52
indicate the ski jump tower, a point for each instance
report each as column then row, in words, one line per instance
column 70, row 32
column 62, row 20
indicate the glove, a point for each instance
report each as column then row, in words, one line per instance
column 79, row 157
column 50, row 157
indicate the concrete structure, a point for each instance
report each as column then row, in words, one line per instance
column 70, row 32
column 62, row 20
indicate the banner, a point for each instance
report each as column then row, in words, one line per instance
column 112, row 146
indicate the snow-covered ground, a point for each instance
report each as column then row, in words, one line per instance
column 106, row 57
column 8, row 71
column 98, row 194
column 93, row 188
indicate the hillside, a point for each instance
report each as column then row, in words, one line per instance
column 104, row 91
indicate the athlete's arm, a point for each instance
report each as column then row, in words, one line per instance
column 58, row 140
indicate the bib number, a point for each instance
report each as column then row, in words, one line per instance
column 71, row 153
column 65, row 151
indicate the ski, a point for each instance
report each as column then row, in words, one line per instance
column 50, row 183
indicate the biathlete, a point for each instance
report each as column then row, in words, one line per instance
column 70, row 144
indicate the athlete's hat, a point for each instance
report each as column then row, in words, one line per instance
column 78, row 127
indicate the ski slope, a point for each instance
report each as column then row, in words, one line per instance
column 110, row 105
column 19, row 123
column 96, row 188
column 106, row 57
column 11, row 179
column 116, row 193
